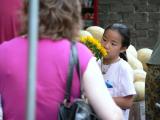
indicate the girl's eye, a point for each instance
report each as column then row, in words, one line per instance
column 104, row 39
column 114, row 44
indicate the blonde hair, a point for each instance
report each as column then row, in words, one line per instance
column 57, row 18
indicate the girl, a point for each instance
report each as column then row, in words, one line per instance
column 116, row 71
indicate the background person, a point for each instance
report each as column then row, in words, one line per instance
column 10, row 19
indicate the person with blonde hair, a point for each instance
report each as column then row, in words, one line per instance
column 59, row 23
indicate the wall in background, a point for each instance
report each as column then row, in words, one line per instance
column 142, row 17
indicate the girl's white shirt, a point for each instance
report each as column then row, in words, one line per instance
column 119, row 78
column 98, row 94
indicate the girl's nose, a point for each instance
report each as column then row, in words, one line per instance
column 107, row 46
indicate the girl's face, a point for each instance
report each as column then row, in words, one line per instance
column 112, row 41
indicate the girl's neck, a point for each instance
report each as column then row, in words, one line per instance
column 110, row 61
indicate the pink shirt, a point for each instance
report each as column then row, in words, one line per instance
column 10, row 19
column 52, row 69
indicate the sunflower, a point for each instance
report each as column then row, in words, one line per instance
column 95, row 46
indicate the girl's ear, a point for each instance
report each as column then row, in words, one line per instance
column 123, row 49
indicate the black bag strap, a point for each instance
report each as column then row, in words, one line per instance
column 73, row 60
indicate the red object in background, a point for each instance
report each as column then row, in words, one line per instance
column 96, row 12
column 90, row 12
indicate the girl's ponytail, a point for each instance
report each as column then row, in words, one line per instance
column 123, row 55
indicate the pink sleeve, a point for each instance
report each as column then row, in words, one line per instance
column 84, row 55
column 2, row 63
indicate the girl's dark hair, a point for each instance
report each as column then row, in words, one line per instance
column 124, row 31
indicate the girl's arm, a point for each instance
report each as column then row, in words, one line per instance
column 124, row 102
column 126, row 87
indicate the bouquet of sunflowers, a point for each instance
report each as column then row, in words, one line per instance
column 95, row 46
